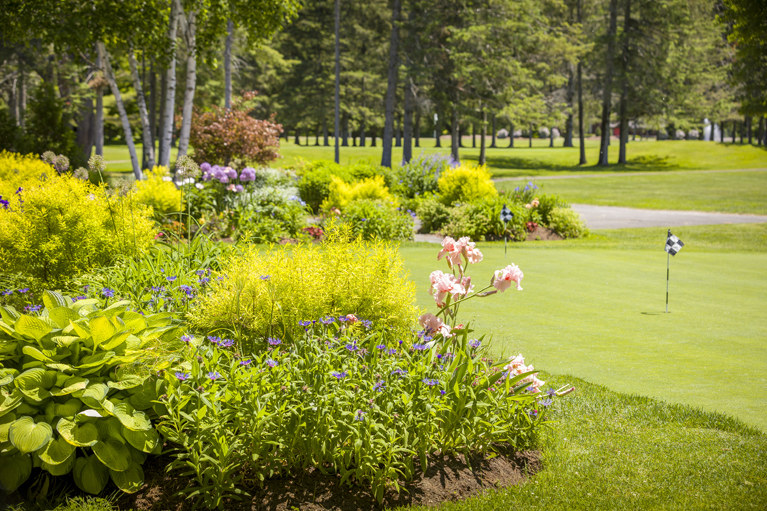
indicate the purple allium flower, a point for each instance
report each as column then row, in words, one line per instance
column 248, row 174
column 340, row 375
column 239, row 188
column 107, row 293
column 214, row 375
column 183, row 376
column 187, row 338
column 271, row 362
column 475, row 343
column 246, row 362
column 273, row 341
column 430, row 381
column 230, row 173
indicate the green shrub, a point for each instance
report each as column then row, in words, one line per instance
column 266, row 292
column 77, row 376
column 343, row 398
column 269, row 214
column 481, row 220
column 566, row 222
column 465, row 183
column 63, row 227
column 342, row 193
column 362, row 171
column 159, row 192
column 315, row 179
column 377, row 220
column 433, row 214
column 420, row 175
column 17, row 170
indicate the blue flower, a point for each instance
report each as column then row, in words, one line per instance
column 360, row 416
column 23, row 290
column 420, row 347
column 273, row 341
column 381, row 346
column 203, row 280
column 107, row 293
column 271, row 362
column 171, row 279
column 442, row 391
column 379, row 387
column 430, row 381
column 551, row 392
column 200, row 273
column 214, row 375
column 215, row 340
column 327, row 320
column 226, row 343
column 546, row 403
column 533, row 413
column 392, row 351
column 7, row 292
column 189, row 290
column 475, row 343
column 32, row 308
column 340, row 375
column 304, row 323
column 401, row 372
column 366, row 323
column 352, row 347
column 183, row 376
column 264, row 277
column 187, row 338
column 245, row 362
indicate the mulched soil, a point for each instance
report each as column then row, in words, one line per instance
column 447, row 478
column 543, row 234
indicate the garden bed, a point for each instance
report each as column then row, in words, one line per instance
column 447, row 478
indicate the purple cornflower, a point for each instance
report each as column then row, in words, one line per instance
column 200, row 273
column 381, row 346
column 226, row 343
column 304, row 323
column 214, row 375
column 378, row 387
column 533, row 413
column 81, row 297
column 264, row 277
column 340, row 375
column 187, row 338
column 271, row 362
column 430, row 381
column 551, row 392
column 352, row 347
column 32, row 308
column 4, row 203
column 273, row 341
column 215, row 340
column 189, row 290
column 366, row 323
column 420, row 347
column 475, row 343
column 7, row 292
column 360, row 416
column 107, row 293
column 183, row 376
column 401, row 372
column 171, row 279
column 245, row 362
column 546, row 403
column 442, row 391
column 24, row 290
column 327, row 320
column 392, row 351
column 203, row 280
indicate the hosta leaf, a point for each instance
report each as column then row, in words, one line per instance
column 60, row 367
column 68, row 409
column 10, row 401
column 95, row 394
column 134, row 321
column 35, row 353
column 127, row 382
column 14, row 470
column 32, row 383
column 131, row 418
column 90, row 475
column 116, row 340
column 30, row 326
column 79, row 328
column 130, row 480
column 5, row 424
column 8, row 329
column 62, row 316
column 62, row 468
column 113, row 454
column 96, row 360
column 9, row 314
column 65, row 340
column 83, row 434
column 28, row 436
column 52, row 299
column 57, row 451
column 111, row 429
column 145, row 441
column 7, row 376
column 101, row 329
column 72, row 384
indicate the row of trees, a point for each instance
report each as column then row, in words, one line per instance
column 404, row 64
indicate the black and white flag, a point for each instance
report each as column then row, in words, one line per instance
column 673, row 244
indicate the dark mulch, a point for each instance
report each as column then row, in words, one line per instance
column 541, row 233
column 447, row 478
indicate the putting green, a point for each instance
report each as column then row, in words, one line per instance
column 599, row 314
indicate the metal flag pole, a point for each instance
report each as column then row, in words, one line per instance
column 506, row 216
column 668, row 260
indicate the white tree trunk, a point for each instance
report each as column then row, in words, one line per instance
column 170, row 90
column 146, row 129
column 109, row 75
column 190, row 28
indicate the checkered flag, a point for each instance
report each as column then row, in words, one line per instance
column 673, row 244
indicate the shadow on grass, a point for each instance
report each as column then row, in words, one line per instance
column 504, row 163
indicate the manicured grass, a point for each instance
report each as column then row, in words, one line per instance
column 598, row 313
column 614, row 451
column 539, row 160
column 730, row 192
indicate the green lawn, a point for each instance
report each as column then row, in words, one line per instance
column 731, row 192
column 540, row 160
column 598, row 313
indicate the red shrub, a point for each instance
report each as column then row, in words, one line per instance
column 221, row 135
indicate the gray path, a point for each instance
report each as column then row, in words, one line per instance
column 612, row 217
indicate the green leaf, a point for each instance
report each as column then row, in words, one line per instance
column 145, row 441
column 128, row 382
column 95, row 394
column 72, row 384
column 96, row 360
column 79, row 434
column 14, row 470
column 101, row 329
column 5, row 424
column 10, row 401
column 30, row 326
column 7, row 376
column 33, row 352
column 116, row 340
column 62, row 316
column 52, row 299
column 32, row 383
column 113, row 454
column 90, row 475
column 57, row 451
column 131, row 418
column 28, row 436
column 134, row 321
column 9, row 314
column 68, row 409
column 62, row 468
column 130, row 480
column 65, row 340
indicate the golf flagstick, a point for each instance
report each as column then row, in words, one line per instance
column 672, row 247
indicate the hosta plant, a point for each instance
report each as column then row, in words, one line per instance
column 76, row 390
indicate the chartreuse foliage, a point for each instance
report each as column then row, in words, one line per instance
column 159, row 193
column 343, row 398
column 266, row 292
column 76, row 391
column 17, row 170
column 465, row 183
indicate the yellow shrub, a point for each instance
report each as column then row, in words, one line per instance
column 342, row 193
column 18, row 170
column 159, row 193
column 465, row 183
column 63, row 226
column 267, row 292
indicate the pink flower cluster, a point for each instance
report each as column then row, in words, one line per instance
column 456, row 250
column 443, row 284
column 516, row 366
column 434, row 325
column 504, row 277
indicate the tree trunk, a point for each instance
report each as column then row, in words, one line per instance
column 362, row 134
column 373, row 137
column 492, row 135
column 748, row 128
column 454, row 134
column 22, row 94
column 530, row 137
column 569, row 122
column 551, row 137
column 228, row 65
column 297, row 138
column 391, row 87
column 473, row 135
column 437, row 134
column 146, row 129
column 153, row 104
column 345, row 131
column 108, row 73
column 317, row 137
column 85, row 127
column 460, row 135
column 407, row 148
column 161, row 114
column 337, row 83
column 325, row 137
column 417, row 127
column 511, row 134
column 189, row 23
column 483, row 134
column 760, row 138
column 98, row 131
column 169, row 91
column 721, row 132
column 624, row 123
column 398, row 132
column 607, row 86
column 581, row 132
